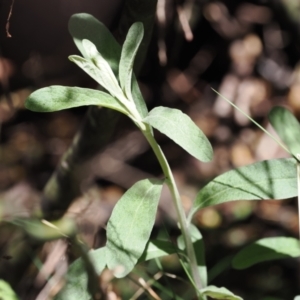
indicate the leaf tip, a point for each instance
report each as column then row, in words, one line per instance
column 120, row 271
column 71, row 58
column 31, row 103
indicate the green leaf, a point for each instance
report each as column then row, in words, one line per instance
column 266, row 249
column 199, row 251
column 6, row 292
column 56, row 98
column 103, row 76
column 129, row 51
column 182, row 130
column 138, row 98
column 130, row 225
column 219, row 293
column 158, row 248
column 270, row 179
column 45, row 231
column 85, row 26
column 76, row 286
column 219, row 267
column 287, row 127
column 139, row 11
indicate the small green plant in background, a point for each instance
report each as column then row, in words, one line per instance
column 130, row 225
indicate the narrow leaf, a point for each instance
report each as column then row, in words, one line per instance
column 158, row 248
column 219, row 293
column 252, row 120
column 77, row 278
column 266, row 249
column 129, row 51
column 199, row 251
column 139, row 11
column 287, row 127
column 182, row 130
column 219, row 267
column 138, row 98
column 270, row 179
column 103, row 76
column 56, row 98
column 45, row 231
column 130, row 225
column 108, row 79
column 84, row 26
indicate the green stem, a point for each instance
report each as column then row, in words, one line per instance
column 298, row 183
column 178, row 204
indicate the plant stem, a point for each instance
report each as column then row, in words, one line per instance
column 178, row 205
column 298, row 183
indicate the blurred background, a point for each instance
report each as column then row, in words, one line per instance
column 247, row 50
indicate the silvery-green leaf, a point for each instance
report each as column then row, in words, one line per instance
column 130, row 225
column 139, row 11
column 110, row 81
column 85, row 26
column 129, row 51
column 103, row 76
column 266, row 249
column 287, row 127
column 56, row 98
column 138, row 98
column 219, row 293
column 270, row 179
column 182, row 130
column 158, row 248
column 76, row 286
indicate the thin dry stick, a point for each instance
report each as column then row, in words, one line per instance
column 161, row 18
column 142, row 289
column 8, row 19
column 259, row 126
column 149, row 289
column 188, row 34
